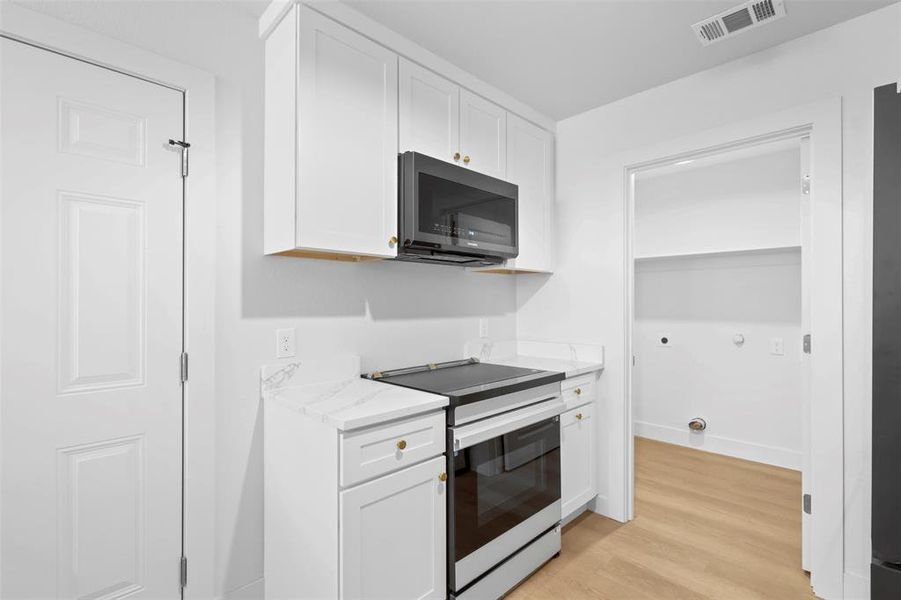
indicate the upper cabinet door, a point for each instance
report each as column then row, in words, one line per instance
column 530, row 165
column 347, row 140
column 483, row 135
column 429, row 113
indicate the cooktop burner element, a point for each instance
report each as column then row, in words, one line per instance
column 466, row 381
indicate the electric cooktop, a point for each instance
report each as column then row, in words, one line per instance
column 466, row 381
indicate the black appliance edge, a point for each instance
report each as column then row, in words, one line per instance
column 886, row 474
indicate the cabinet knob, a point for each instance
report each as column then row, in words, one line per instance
column 579, row 416
column 456, row 156
column 578, row 391
column 392, row 241
column 466, row 160
column 442, row 477
column 401, row 444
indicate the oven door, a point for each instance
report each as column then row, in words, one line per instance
column 450, row 208
column 504, row 487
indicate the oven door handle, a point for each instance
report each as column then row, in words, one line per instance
column 470, row 435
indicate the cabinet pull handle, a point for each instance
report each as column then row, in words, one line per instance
column 456, row 156
column 579, row 416
column 392, row 241
column 401, row 444
column 578, row 391
column 442, row 477
column 466, row 160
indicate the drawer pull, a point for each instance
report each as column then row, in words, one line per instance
column 579, row 416
column 442, row 477
column 456, row 156
column 466, row 159
column 578, row 391
column 401, row 444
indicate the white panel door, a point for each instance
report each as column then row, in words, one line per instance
column 347, row 113
column 429, row 113
column 530, row 151
column 577, row 463
column 91, row 318
column 483, row 135
column 393, row 535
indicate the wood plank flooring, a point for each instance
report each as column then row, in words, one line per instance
column 706, row 527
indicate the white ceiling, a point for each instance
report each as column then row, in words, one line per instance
column 563, row 57
column 559, row 56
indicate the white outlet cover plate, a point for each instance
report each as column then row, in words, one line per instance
column 284, row 343
column 777, row 346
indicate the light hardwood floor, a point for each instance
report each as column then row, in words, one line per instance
column 706, row 527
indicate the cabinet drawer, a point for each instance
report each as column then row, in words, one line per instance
column 579, row 390
column 372, row 452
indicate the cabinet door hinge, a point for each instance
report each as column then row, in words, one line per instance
column 183, row 573
column 807, row 503
column 184, row 154
column 184, row 367
column 806, row 344
column 805, row 184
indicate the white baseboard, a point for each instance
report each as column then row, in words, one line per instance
column 857, row 587
column 255, row 590
column 771, row 455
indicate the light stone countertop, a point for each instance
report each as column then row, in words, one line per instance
column 331, row 390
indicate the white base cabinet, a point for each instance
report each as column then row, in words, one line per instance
column 381, row 536
column 578, row 446
column 393, row 535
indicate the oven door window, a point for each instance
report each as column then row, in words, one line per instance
column 503, row 481
column 464, row 215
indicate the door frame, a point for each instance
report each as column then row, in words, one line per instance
column 821, row 122
column 198, row 517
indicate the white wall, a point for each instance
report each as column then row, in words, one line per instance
column 750, row 398
column 586, row 293
column 728, row 202
column 392, row 314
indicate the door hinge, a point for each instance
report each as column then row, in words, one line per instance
column 807, row 503
column 184, row 367
column 184, row 154
column 183, row 572
column 633, row 360
column 806, row 344
column 805, row 184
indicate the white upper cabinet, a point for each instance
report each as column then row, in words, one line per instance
column 483, row 135
column 530, row 165
column 336, row 196
column 429, row 113
column 341, row 104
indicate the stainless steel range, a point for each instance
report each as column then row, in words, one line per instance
column 503, row 455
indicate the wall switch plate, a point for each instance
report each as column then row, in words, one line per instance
column 777, row 347
column 284, row 343
column 483, row 328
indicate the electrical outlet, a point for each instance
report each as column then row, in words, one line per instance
column 777, row 347
column 483, row 328
column 284, row 343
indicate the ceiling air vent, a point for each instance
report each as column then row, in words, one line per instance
column 736, row 20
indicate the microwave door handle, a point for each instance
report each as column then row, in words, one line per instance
column 470, row 435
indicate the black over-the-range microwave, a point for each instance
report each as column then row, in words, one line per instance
column 453, row 215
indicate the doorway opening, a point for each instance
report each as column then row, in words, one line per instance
column 720, row 378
